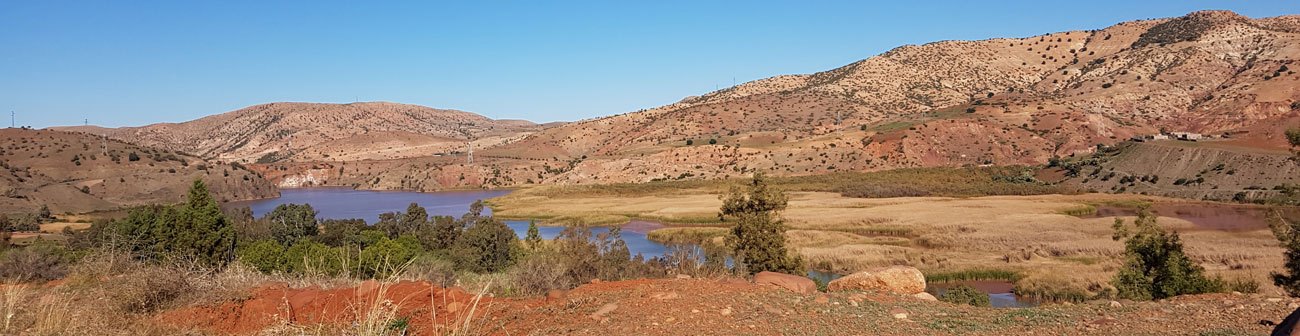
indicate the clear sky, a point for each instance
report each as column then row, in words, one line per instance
column 127, row 63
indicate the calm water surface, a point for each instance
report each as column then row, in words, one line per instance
column 346, row 203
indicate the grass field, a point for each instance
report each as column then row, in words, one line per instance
column 1052, row 252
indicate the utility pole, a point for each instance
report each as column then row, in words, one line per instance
column 12, row 124
column 104, row 143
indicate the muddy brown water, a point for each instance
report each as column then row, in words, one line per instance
column 1207, row 216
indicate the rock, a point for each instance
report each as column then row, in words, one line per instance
column 1103, row 321
column 683, row 276
column 725, row 311
column 822, row 299
column 695, row 311
column 556, row 294
column 925, row 296
column 604, row 310
column 898, row 313
column 454, row 307
column 1236, row 293
column 794, row 283
column 595, row 281
column 894, row 279
column 1115, row 304
column 773, row 309
column 1273, row 300
column 661, row 296
column 853, row 303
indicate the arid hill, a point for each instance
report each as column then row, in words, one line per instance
column 76, row 172
column 1002, row 101
column 282, row 131
column 952, row 103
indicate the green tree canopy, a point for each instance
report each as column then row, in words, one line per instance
column 289, row 222
column 758, row 235
column 1155, row 266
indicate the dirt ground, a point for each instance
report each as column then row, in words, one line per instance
column 719, row 307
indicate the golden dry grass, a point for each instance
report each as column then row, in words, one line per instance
column 1026, row 234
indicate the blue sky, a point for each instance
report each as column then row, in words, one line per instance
column 126, row 63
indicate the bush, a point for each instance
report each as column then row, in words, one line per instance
column 146, row 289
column 19, row 223
column 247, row 228
column 40, row 262
column 266, row 256
column 434, row 269
column 1293, row 137
column 1288, row 234
column 967, row 295
column 484, row 247
column 313, row 258
column 1155, row 266
column 340, row 232
column 539, row 273
column 290, row 222
column 386, row 256
column 758, row 237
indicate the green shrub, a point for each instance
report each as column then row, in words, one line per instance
column 266, row 256
column 309, row 257
column 1288, row 234
column 1155, row 266
column 290, row 222
column 484, row 247
column 40, row 262
column 967, row 295
column 758, row 236
column 385, row 257
column 340, row 232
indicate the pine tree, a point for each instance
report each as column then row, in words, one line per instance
column 534, row 237
column 758, row 237
column 201, row 231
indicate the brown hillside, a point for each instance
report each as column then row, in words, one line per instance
column 51, row 168
column 951, row 103
column 278, row 131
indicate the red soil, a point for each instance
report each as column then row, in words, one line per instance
column 275, row 304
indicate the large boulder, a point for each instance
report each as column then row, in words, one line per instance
column 894, row 279
column 794, row 283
